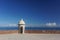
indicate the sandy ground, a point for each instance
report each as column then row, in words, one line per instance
column 29, row 36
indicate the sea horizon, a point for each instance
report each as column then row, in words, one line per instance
column 30, row 28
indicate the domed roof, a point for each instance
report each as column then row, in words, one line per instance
column 21, row 22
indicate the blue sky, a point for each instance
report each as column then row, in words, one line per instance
column 32, row 11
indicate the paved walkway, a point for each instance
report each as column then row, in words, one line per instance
column 29, row 36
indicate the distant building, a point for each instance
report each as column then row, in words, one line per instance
column 21, row 26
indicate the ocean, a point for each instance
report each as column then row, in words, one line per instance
column 31, row 28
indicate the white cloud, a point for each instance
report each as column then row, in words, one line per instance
column 8, row 25
column 51, row 24
column 12, row 25
column 31, row 25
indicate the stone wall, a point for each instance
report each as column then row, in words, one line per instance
column 43, row 31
